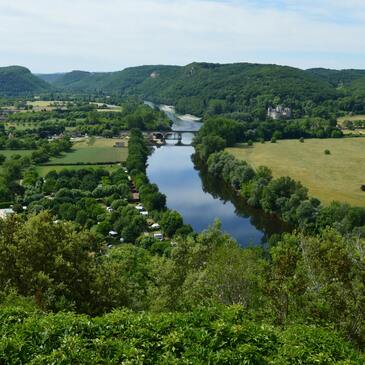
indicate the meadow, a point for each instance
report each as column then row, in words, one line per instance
column 44, row 170
column 45, row 105
column 91, row 151
column 337, row 176
column 352, row 118
column 9, row 153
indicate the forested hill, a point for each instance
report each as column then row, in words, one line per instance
column 216, row 88
column 17, row 80
column 245, row 88
column 112, row 82
column 240, row 90
column 51, row 78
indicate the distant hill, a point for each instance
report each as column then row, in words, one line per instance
column 198, row 87
column 240, row 87
column 50, row 78
column 112, row 82
column 69, row 79
column 240, row 90
column 17, row 80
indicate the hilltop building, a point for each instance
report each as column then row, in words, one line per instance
column 279, row 112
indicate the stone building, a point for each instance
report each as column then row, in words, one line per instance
column 279, row 112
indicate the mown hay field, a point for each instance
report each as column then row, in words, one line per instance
column 337, row 176
column 44, row 170
column 91, row 151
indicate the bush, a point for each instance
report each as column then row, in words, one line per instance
column 205, row 336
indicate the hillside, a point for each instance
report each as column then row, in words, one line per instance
column 17, row 80
column 216, row 88
column 51, row 78
column 337, row 77
column 358, row 87
column 242, row 87
column 112, row 82
column 70, row 78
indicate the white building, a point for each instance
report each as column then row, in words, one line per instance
column 279, row 112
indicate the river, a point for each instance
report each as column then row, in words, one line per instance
column 198, row 197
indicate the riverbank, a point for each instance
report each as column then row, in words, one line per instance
column 201, row 199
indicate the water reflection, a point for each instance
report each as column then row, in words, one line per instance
column 201, row 200
column 267, row 224
column 199, row 197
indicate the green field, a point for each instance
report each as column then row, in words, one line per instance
column 93, row 151
column 337, row 176
column 44, row 170
column 9, row 153
column 351, row 118
column 45, row 105
column 20, row 126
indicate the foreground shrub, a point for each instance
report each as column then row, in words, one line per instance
column 206, row 336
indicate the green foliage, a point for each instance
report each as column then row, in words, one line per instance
column 209, row 336
column 213, row 88
column 51, row 261
column 171, row 221
column 16, row 80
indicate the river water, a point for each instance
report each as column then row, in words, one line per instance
column 197, row 196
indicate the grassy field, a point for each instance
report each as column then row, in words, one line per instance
column 358, row 132
column 20, row 126
column 93, row 151
column 351, row 118
column 337, row 176
column 44, row 170
column 43, row 104
column 9, row 153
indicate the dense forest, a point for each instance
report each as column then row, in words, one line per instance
column 17, row 80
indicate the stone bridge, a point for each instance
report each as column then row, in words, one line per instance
column 160, row 137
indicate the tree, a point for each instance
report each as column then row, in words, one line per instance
column 122, row 279
column 52, row 261
column 171, row 221
column 211, row 144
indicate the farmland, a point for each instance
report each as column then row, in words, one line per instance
column 45, row 105
column 9, row 153
column 337, row 176
column 352, row 118
column 44, row 170
column 92, row 151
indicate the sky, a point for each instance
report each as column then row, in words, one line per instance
column 108, row 35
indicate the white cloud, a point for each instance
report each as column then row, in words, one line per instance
column 113, row 34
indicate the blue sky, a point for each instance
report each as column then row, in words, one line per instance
column 107, row 35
